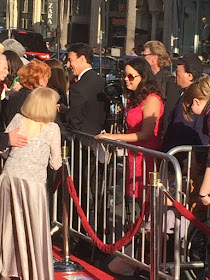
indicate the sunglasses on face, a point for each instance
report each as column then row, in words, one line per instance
column 130, row 77
column 146, row 54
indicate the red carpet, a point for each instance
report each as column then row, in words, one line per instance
column 90, row 272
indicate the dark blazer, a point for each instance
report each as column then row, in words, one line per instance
column 182, row 132
column 172, row 96
column 87, row 112
column 15, row 103
column 162, row 78
column 4, row 141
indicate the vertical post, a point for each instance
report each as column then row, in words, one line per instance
column 130, row 26
column 100, row 53
column 196, row 36
column 65, row 202
column 154, row 179
column 8, row 18
column 58, row 31
column 154, row 24
column 181, row 40
column 167, row 23
column 66, row 265
column 208, row 241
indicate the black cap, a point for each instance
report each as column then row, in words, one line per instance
column 192, row 61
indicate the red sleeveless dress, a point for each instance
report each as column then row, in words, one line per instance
column 133, row 120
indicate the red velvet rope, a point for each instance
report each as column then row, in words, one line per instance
column 106, row 248
column 57, row 179
column 188, row 215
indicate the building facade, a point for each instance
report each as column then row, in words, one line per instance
column 182, row 25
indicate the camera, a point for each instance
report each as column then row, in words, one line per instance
column 114, row 92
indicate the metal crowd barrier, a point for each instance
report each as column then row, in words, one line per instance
column 98, row 169
column 195, row 244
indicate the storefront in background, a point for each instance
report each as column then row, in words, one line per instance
column 194, row 27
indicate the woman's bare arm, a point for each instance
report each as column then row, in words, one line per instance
column 151, row 113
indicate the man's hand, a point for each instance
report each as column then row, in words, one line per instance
column 17, row 86
column 16, row 139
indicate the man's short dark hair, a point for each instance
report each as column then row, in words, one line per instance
column 82, row 49
column 192, row 64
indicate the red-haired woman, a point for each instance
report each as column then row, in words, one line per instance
column 33, row 75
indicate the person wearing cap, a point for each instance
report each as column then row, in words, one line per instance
column 12, row 138
column 179, row 131
column 15, row 46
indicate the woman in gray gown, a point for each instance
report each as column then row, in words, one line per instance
column 25, row 241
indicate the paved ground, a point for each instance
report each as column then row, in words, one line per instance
column 94, row 256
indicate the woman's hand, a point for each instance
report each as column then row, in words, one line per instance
column 107, row 136
column 205, row 200
column 205, row 189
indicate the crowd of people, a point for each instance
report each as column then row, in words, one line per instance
column 163, row 110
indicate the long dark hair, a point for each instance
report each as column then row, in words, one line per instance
column 58, row 79
column 14, row 64
column 148, row 83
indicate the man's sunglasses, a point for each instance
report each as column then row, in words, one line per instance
column 130, row 77
column 146, row 54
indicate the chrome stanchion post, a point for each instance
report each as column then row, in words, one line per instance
column 154, row 180
column 65, row 202
column 66, row 265
column 208, row 242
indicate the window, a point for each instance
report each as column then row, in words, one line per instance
column 81, row 7
column 194, row 34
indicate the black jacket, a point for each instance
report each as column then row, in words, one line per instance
column 172, row 96
column 162, row 78
column 86, row 112
column 182, row 132
column 15, row 103
column 4, row 141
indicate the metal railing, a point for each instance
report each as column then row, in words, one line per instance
column 99, row 170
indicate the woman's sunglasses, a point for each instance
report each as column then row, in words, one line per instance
column 130, row 77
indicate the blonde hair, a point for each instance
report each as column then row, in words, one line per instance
column 204, row 85
column 199, row 90
column 40, row 105
column 158, row 48
column 1, row 48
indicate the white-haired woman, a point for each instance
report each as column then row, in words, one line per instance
column 25, row 241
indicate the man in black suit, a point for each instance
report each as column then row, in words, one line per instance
column 86, row 112
column 12, row 138
column 87, row 109
column 180, row 131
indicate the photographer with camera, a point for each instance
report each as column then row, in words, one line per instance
column 142, row 118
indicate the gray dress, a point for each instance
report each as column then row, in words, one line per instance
column 25, row 241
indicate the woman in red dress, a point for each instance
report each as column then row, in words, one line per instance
column 142, row 118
